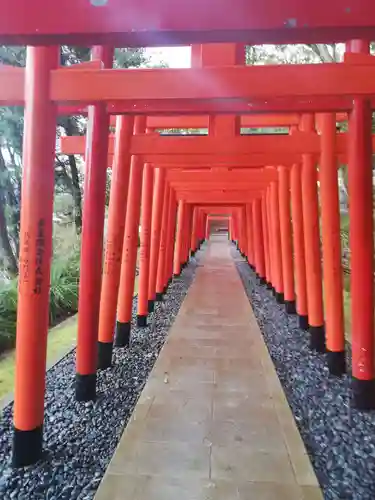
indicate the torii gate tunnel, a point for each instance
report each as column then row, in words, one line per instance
column 265, row 186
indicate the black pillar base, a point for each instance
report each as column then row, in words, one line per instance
column 269, row 285
column 177, row 275
column 122, row 335
column 262, row 281
column 105, row 355
column 279, row 297
column 317, row 338
column 303, row 322
column 192, row 253
column 336, row 363
column 165, row 289
column 142, row 320
column 363, row 394
column 27, row 446
column 86, row 387
column 290, row 306
column 159, row 296
column 273, row 290
column 151, row 306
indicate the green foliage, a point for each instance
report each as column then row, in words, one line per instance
column 63, row 297
column 8, row 314
column 68, row 172
column 64, row 287
column 129, row 58
column 183, row 131
column 294, row 54
column 264, row 131
column 108, row 186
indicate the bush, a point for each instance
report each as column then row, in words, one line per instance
column 64, row 288
column 8, row 314
column 63, row 298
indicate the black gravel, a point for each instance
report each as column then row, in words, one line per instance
column 80, row 438
column 339, row 440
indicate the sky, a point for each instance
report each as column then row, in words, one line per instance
column 174, row 57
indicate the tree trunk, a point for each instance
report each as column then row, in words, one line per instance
column 71, row 129
column 12, row 264
column 77, row 195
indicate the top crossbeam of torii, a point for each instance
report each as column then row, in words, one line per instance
column 137, row 23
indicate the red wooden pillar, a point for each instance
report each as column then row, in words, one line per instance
column 259, row 241
column 239, row 230
column 190, row 232
column 130, row 245
column 255, row 237
column 331, row 244
column 203, row 225
column 189, row 220
column 194, row 230
column 271, row 245
column 250, row 235
column 276, row 241
column 243, row 231
column 207, row 236
column 286, row 240
column 361, row 249
column 157, row 214
column 299, row 245
column 312, row 245
column 160, row 277
column 199, row 223
column 171, row 227
column 179, row 238
column 184, row 236
column 198, row 233
column 265, row 238
column 115, row 237
column 201, row 229
column 187, row 235
column 92, row 242
column 38, row 179
column 172, row 221
column 144, row 249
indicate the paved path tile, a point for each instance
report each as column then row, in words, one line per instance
column 212, row 422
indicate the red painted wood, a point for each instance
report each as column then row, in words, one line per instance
column 35, row 254
column 147, row 22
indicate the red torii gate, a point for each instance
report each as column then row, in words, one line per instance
column 314, row 88
column 81, row 23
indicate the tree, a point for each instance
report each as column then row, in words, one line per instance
column 67, row 170
column 7, row 200
column 294, row 54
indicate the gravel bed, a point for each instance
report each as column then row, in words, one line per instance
column 80, row 438
column 339, row 440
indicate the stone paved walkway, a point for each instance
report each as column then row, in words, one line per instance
column 212, row 422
